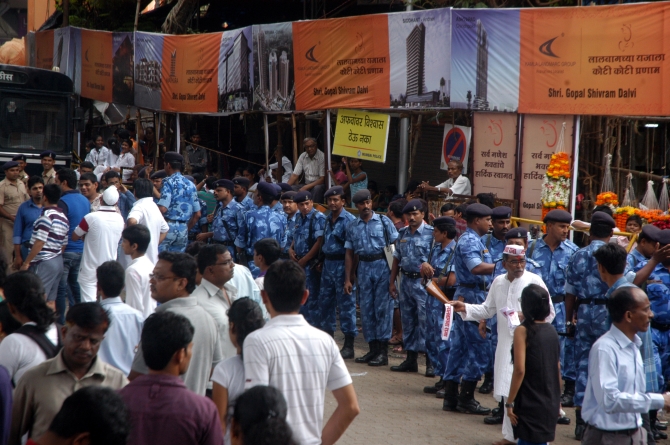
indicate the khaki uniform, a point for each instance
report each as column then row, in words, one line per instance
column 12, row 195
column 23, row 177
column 50, row 177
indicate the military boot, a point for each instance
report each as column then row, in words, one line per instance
column 466, row 400
column 487, row 386
column 450, row 396
column 434, row 388
column 580, row 425
column 374, row 348
column 430, row 370
column 568, row 396
column 382, row 357
column 409, row 365
column 347, row 350
column 496, row 418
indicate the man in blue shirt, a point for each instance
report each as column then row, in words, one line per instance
column 291, row 214
column 226, row 219
column 27, row 214
column 179, row 204
column 240, row 191
column 126, row 198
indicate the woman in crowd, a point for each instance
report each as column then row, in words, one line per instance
column 249, row 172
column 8, row 324
column 99, row 153
column 260, row 418
column 126, row 160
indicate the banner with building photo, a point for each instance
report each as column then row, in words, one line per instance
column 96, row 65
column 148, row 70
column 494, row 160
column 273, row 83
column 342, row 63
column 604, row 60
column 485, row 59
column 43, row 50
column 235, row 64
column 420, row 53
column 123, row 67
column 455, row 145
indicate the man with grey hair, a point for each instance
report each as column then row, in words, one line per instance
column 312, row 164
column 457, row 184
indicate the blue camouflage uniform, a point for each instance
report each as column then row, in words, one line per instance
column 495, row 248
column 583, row 281
column 247, row 204
column 201, row 223
column 332, row 278
column 411, row 251
column 469, row 354
column 437, row 349
column 307, row 230
column 226, row 225
column 289, row 231
column 368, row 240
column 279, row 208
column 553, row 269
column 180, row 197
column 258, row 224
column 634, row 258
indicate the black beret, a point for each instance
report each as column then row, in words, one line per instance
column 141, row 174
column 277, row 188
column 285, row 187
column 241, row 181
column 288, row 195
column 225, row 183
column 412, row 206
column 48, row 154
column 516, row 232
column 160, row 174
column 20, row 158
column 651, row 232
column 603, row 219
column 444, row 220
column 664, row 237
column 173, row 156
column 266, row 188
column 502, row 212
column 478, row 210
column 123, row 134
column 302, row 196
column 334, row 191
column 190, row 178
column 361, row 195
column 559, row 216
column 9, row 165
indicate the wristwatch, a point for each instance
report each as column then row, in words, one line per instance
column 509, row 405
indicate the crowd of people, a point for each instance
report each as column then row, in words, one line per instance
column 195, row 309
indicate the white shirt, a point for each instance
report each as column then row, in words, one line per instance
column 96, row 157
column 213, row 300
column 230, row 374
column 615, row 390
column 286, row 165
column 138, row 293
column 127, row 161
column 19, row 353
column 246, row 286
column 302, row 362
column 145, row 212
column 461, row 186
column 504, row 293
column 314, row 168
column 103, row 231
column 123, row 335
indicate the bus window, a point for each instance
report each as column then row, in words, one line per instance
column 29, row 124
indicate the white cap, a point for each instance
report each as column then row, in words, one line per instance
column 514, row 250
column 110, row 196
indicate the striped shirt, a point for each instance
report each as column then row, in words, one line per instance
column 314, row 168
column 52, row 228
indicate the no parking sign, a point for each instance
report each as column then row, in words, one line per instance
column 455, row 145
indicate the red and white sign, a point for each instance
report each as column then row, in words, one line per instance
column 448, row 321
column 455, row 145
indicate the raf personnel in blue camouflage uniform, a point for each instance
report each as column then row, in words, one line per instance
column 367, row 236
column 469, row 355
column 157, row 178
column 411, row 258
column 240, row 191
column 307, row 241
column 442, row 273
column 277, row 206
column 200, row 225
column 585, row 288
column 178, row 203
column 258, row 224
column 553, row 252
column 332, row 293
column 291, row 215
column 227, row 218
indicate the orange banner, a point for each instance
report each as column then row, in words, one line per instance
column 96, row 65
column 342, row 63
column 597, row 60
column 44, row 49
column 190, row 73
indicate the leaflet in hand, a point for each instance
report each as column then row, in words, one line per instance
column 512, row 317
column 448, row 321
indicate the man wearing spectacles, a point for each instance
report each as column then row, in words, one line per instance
column 312, row 164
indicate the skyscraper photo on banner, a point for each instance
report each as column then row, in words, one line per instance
column 148, row 63
column 274, row 88
column 485, row 59
column 235, row 63
column 420, row 49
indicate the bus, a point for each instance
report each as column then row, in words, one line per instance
column 37, row 110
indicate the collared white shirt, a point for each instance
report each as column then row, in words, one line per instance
column 461, row 186
column 145, row 212
column 314, row 168
column 286, row 165
column 246, row 286
column 19, row 353
column 123, row 336
column 138, row 292
column 615, row 390
column 302, row 362
column 213, row 300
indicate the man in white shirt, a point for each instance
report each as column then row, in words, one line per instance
column 146, row 212
column 615, row 390
column 287, row 169
column 135, row 240
column 299, row 360
column 101, row 232
column 312, row 164
column 457, row 184
column 125, row 328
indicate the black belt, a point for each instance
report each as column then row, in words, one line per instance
column 626, row 432
column 410, row 274
column 480, row 286
column 558, row 299
column 175, row 221
column 660, row 326
column 592, row 300
column 225, row 243
column 370, row 258
column 334, row 256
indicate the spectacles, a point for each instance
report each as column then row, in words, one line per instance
column 516, row 262
column 225, row 263
column 153, row 276
column 309, row 146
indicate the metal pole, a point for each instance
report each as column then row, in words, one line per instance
column 403, row 155
column 267, row 139
column 576, row 127
column 66, row 13
column 178, row 135
column 409, row 6
column 137, row 15
column 328, row 148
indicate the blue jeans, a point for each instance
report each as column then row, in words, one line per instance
column 68, row 288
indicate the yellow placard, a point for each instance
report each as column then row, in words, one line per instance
column 362, row 135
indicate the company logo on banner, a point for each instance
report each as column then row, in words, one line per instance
column 362, row 135
column 494, row 161
column 96, row 65
column 455, row 145
column 604, row 60
column 342, row 63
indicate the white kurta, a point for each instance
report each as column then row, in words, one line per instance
column 503, row 293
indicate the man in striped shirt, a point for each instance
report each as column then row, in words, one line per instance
column 50, row 235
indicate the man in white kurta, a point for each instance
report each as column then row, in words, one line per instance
column 505, row 292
